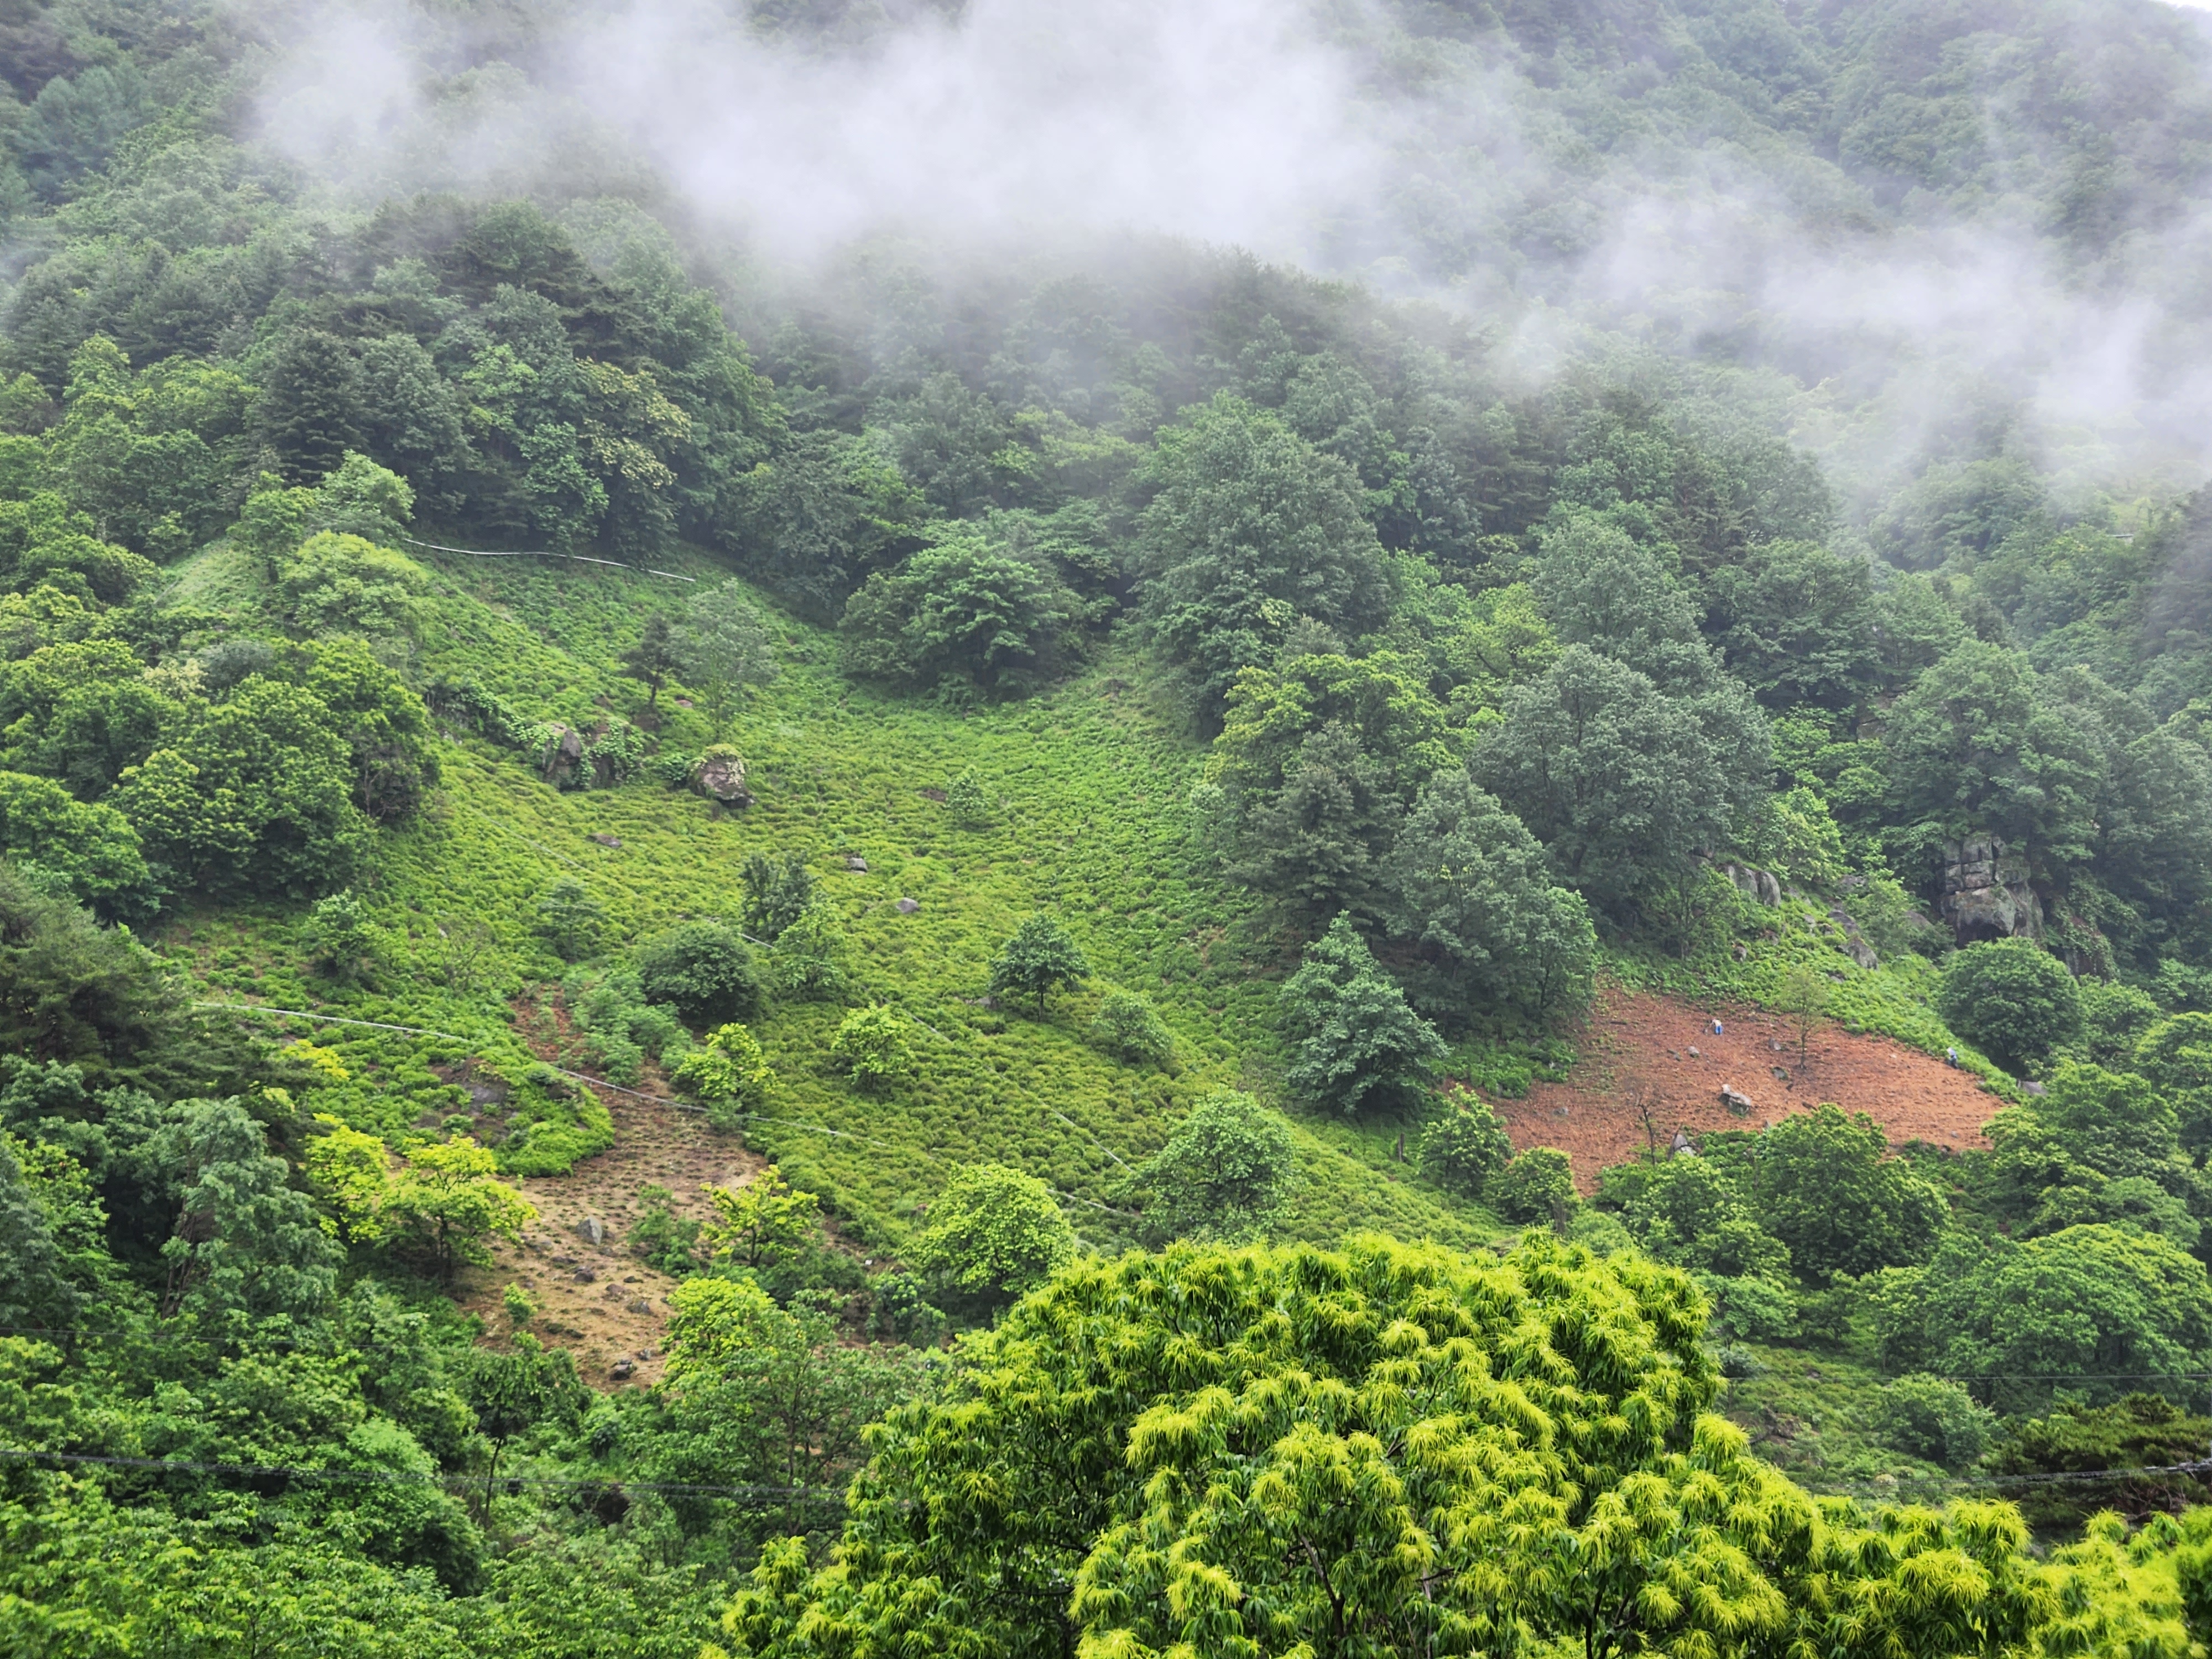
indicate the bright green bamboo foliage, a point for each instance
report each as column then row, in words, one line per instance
column 1384, row 1452
column 1242, row 1449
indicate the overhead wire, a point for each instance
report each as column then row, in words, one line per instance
column 580, row 558
column 659, row 1100
column 404, row 1476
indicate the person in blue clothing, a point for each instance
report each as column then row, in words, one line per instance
column 1716, row 1028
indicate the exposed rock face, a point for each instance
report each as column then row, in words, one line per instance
column 1985, row 892
column 563, row 755
column 1761, row 885
column 1854, row 944
column 721, row 775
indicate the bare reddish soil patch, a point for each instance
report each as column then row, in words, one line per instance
column 600, row 1301
column 1642, row 1051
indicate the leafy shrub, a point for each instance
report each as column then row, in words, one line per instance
column 340, row 939
column 965, row 799
column 666, row 1241
column 1462, row 1149
column 703, row 970
column 777, row 893
column 2012, row 1000
column 571, row 920
column 1751, row 1307
column 1539, row 1186
column 810, row 956
column 1128, row 1025
column 728, row 1074
column 1935, row 1418
column 870, row 1045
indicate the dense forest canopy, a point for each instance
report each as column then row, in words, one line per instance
column 789, row 794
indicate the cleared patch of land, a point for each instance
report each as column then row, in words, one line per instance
column 1650, row 1065
column 619, row 1313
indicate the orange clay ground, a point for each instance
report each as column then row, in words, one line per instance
column 1636, row 1053
column 621, row 1313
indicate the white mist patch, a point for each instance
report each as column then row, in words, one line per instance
column 1225, row 121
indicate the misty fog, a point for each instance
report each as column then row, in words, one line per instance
column 1329, row 139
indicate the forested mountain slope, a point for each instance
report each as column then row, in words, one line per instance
column 1047, row 651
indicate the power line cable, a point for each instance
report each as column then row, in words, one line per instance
column 478, row 553
column 659, row 1100
column 401, row 1477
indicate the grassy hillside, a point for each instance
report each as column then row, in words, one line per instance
column 1089, row 824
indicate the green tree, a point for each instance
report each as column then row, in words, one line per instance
column 1975, row 747
column 2094, row 1309
column 351, row 1171
column 871, row 1046
column 1464, row 1149
column 762, row 1223
column 1309, row 848
column 257, row 793
column 336, row 582
column 1225, row 1174
column 1468, row 883
column 654, row 656
column 1825, row 1185
column 2011, row 999
column 1599, row 589
column 1238, row 1451
column 447, row 1202
column 993, row 1233
column 1039, row 959
column 762, row 1397
column 1688, row 1211
column 305, row 412
column 1353, row 1040
column 246, row 1241
column 725, row 650
column 1804, row 998
column 34, row 1282
column 703, row 970
column 1620, row 783
column 88, row 849
column 1249, row 529
column 515, row 1392
column 1797, row 624
column 960, row 612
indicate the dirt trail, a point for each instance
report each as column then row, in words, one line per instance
column 1640, row 1049
column 601, row 1302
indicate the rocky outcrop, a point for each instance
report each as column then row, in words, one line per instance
column 720, row 774
column 562, row 755
column 1854, row 944
column 1984, row 892
column 1764, row 886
